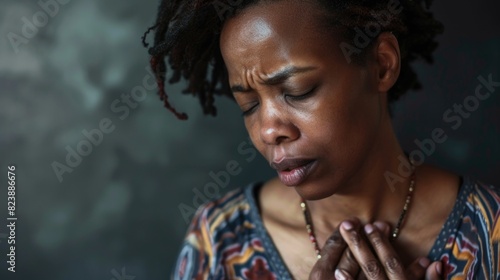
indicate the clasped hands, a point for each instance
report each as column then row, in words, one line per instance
column 354, row 251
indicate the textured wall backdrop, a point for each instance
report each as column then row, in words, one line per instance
column 115, row 212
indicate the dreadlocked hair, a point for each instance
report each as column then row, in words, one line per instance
column 187, row 36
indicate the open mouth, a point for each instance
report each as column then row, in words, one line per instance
column 290, row 164
column 296, row 174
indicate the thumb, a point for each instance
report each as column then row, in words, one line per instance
column 434, row 271
column 417, row 269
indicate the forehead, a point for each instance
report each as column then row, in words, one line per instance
column 283, row 16
column 270, row 32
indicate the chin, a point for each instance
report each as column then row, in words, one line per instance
column 311, row 191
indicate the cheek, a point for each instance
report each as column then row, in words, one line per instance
column 346, row 126
column 254, row 134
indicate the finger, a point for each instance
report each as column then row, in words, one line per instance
column 333, row 249
column 390, row 260
column 330, row 256
column 418, row 268
column 348, row 263
column 361, row 276
column 386, row 231
column 342, row 275
column 434, row 271
column 361, row 250
column 383, row 227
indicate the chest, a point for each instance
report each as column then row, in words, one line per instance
column 299, row 256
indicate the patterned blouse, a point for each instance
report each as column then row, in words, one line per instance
column 227, row 239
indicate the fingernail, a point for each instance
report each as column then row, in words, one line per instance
column 380, row 225
column 423, row 262
column 347, row 225
column 340, row 275
column 369, row 229
column 439, row 268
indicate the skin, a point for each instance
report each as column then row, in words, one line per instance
column 342, row 122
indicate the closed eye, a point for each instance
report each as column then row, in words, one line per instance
column 288, row 96
column 249, row 111
column 301, row 97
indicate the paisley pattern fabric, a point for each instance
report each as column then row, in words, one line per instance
column 227, row 240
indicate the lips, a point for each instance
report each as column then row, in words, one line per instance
column 293, row 172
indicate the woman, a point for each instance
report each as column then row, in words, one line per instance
column 314, row 80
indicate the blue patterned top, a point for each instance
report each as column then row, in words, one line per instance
column 227, row 239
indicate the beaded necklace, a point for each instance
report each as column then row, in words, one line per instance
column 395, row 233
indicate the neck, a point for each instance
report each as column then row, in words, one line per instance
column 369, row 196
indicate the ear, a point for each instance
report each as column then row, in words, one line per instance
column 388, row 60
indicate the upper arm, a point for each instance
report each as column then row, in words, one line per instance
column 195, row 257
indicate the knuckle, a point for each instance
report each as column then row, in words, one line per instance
column 393, row 265
column 350, row 257
column 317, row 275
column 372, row 269
column 335, row 240
column 322, row 268
column 361, row 276
column 355, row 238
column 377, row 241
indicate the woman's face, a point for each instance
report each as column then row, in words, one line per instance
column 314, row 116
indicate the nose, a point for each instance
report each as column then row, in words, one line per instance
column 276, row 127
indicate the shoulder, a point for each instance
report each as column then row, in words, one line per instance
column 483, row 197
column 483, row 209
column 474, row 248
column 477, row 213
column 224, row 214
column 213, row 229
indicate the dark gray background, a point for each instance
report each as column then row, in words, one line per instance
column 119, row 209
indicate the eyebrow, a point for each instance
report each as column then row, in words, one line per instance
column 276, row 78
